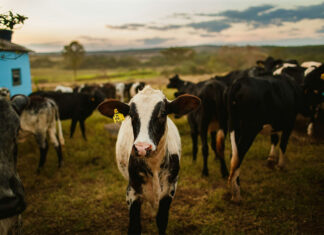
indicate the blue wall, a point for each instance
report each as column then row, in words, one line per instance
column 6, row 65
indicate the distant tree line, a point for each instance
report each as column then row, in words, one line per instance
column 188, row 60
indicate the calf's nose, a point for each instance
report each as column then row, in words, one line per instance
column 141, row 149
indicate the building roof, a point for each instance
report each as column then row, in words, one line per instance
column 9, row 46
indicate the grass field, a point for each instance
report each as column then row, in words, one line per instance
column 87, row 195
column 64, row 76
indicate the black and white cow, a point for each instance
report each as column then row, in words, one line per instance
column 136, row 87
column 210, row 117
column 39, row 118
column 305, row 77
column 12, row 199
column 61, row 88
column 256, row 101
column 148, row 151
column 271, row 65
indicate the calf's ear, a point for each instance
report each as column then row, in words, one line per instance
column 19, row 102
column 108, row 106
column 183, row 104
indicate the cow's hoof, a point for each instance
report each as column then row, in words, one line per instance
column 38, row 171
column 281, row 168
column 205, row 173
column 271, row 163
column 236, row 200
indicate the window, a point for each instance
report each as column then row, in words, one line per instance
column 16, row 77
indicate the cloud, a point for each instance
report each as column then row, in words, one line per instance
column 164, row 28
column 320, row 30
column 255, row 16
column 211, row 26
column 133, row 26
column 154, row 41
column 89, row 39
column 268, row 14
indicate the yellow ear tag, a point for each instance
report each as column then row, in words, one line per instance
column 322, row 76
column 118, row 117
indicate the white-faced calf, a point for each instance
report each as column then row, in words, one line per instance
column 148, row 151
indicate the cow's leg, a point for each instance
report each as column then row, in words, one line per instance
column 163, row 213
column 83, row 129
column 272, row 159
column 43, row 149
column 134, row 204
column 310, row 126
column 220, row 148
column 283, row 145
column 73, row 125
column 194, row 138
column 240, row 145
column 204, row 143
column 56, row 142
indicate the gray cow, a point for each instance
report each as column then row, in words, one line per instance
column 12, row 201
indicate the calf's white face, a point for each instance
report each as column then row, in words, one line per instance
column 148, row 111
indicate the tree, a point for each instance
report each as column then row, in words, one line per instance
column 74, row 55
column 8, row 21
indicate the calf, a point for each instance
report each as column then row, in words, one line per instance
column 75, row 106
column 209, row 117
column 254, row 102
column 148, row 151
column 12, row 202
column 39, row 118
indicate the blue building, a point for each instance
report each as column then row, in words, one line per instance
column 14, row 68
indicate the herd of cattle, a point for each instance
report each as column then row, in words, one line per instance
column 148, row 147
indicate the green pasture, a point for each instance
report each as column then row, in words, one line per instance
column 87, row 195
column 58, row 75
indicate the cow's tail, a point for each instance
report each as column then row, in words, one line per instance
column 231, row 103
column 59, row 124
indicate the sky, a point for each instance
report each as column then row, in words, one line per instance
column 131, row 24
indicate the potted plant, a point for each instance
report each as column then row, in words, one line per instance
column 8, row 22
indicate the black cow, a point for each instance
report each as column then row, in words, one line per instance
column 209, row 117
column 75, row 106
column 12, row 202
column 256, row 101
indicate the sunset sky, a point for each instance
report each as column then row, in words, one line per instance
column 124, row 24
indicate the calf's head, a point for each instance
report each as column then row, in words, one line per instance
column 11, row 189
column 148, row 112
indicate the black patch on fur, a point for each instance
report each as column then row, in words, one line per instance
column 137, row 167
column 136, row 123
column 174, row 167
column 172, row 164
column 157, row 122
